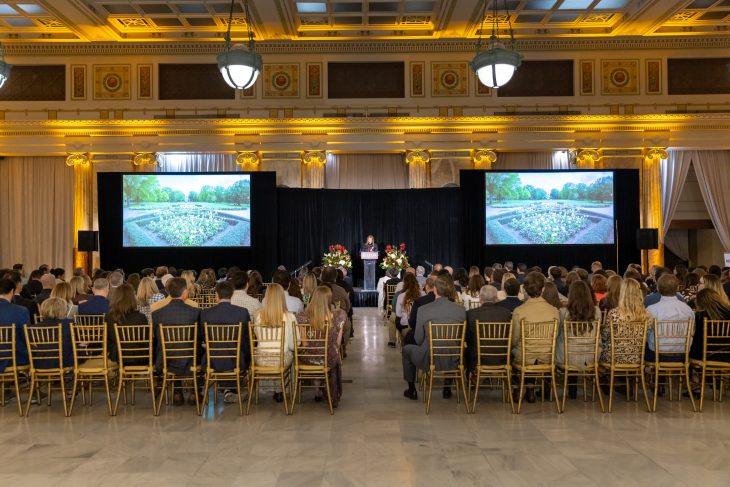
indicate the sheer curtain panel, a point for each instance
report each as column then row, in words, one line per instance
column 674, row 173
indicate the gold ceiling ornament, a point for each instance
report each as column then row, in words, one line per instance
column 587, row 156
column 144, row 159
column 658, row 153
column 418, row 156
column 77, row 159
column 484, row 157
column 314, row 156
column 248, row 158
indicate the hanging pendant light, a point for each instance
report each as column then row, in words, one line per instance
column 4, row 67
column 240, row 67
column 496, row 65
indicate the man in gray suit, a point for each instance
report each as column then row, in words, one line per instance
column 442, row 310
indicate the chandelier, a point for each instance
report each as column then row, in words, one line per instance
column 240, row 67
column 4, row 67
column 496, row 65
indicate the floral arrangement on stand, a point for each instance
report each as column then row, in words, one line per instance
column 395, row 257
column 337, row 256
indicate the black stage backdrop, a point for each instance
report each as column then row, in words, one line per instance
column 428, row 221
column 626, row 208
column 261, row 255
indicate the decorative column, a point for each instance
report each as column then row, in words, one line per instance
column 483, row 158
column 313, row 163
column 419, row 168
column 651, row 202
column 248, row 161
column 587, row 158
column 83, row 191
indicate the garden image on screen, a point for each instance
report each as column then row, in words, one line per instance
column 539, row 208
column 192, row 210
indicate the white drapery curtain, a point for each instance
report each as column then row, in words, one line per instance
column 713, row 175
column 674, row 174
column 197, row 162
column 524, row 160
column 36, row 212
column 366, row 171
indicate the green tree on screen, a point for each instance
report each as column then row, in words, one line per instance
column 139, row 188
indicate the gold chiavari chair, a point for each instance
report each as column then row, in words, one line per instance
column 672, row 340
column 12, row 370
column 259, row 296
column 179, row 345
column 88, row 320
column 267, row 348
column 628, row 340
column 494, row 357
column 207, row 301
column 537, row 343
column 91, row 362
column 446, row 345
column 45, row 353
column 134, row 343
column 389, row 293
column 222, row 342
column 474, row 304
column 311, row 360
column 37, row 318
column 715, row 361
column 581, row 342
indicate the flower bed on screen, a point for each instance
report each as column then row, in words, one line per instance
column 549, row 223
column 187, row 226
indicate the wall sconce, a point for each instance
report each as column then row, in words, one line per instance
column 144, row 159
column 587, row 156
column 314, row 157
column 77, row 159
column 657, row 153
column 248, row 158
column 418, row 156
column 484, row 157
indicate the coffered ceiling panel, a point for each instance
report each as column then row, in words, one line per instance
column 207, row 20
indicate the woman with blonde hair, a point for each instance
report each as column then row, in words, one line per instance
column 64, row 291
column 148, row 293
column 55, row 312
column 273, row 314
column 630, row 308
column 78, row 286
column 309, row 284
column 193, row 287
column 318, row 314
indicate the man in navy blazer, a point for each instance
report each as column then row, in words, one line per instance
column 98, row 304
column 225, row 313
column 12, row 314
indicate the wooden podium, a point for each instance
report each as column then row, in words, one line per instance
column 369, row 260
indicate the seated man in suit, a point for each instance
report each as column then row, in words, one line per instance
column 441, row 310
column 13, row 314
column 225, row 313
column 98, row 304
column 512, row 290
column 18, row 299
column 487, row 312
column 47, row 282
column 176, row 313
column 33, row 286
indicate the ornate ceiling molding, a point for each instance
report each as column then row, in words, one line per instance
column 362, row 47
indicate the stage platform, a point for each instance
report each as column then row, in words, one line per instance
column 365, row 299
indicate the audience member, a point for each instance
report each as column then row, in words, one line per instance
column 98, row 304
column 147, row 294
column 16, row 315
column 240, row 297
column 416, row 356
column 18, row 298
column 488, row 311
column 64, row 291
column 470, row 293
column 512, row 291
column 599, row 286
column 420, row 276
column 293, row 305
column 123, row 311
column 580, row 307
column 309, row 284
column 81, row 292
column 318, row 315
column 668, row 308
column 613, row 289
column 710, row 306
column 47, row 283
column 630, row 308
column 427, row 298
column 54, row 311
column 410, row 293
column 551, row 295
column 33, row 287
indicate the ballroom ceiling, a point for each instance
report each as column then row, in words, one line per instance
column 206, row 20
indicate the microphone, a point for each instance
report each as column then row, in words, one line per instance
column 428, row 263
column 296, row 271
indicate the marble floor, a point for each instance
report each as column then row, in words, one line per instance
column 376, row 438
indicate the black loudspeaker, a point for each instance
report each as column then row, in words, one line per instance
column 88, row 241
column 647, row 238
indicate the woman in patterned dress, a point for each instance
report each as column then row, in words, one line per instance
column 630, row 308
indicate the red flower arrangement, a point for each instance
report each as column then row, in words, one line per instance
column 395, row 257
column 338, row 256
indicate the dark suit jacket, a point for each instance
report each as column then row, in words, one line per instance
column 67, row 346
column 12, row 314
column 423, row 300
column 440, row 311
column 32, row 289
column 223, row 314
column 133, row 318
column 42, row 296
column 562, row 288
column 486, row 312
column 29, row 304
column 175, row 313
column 510, row 303
column 98, row 305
